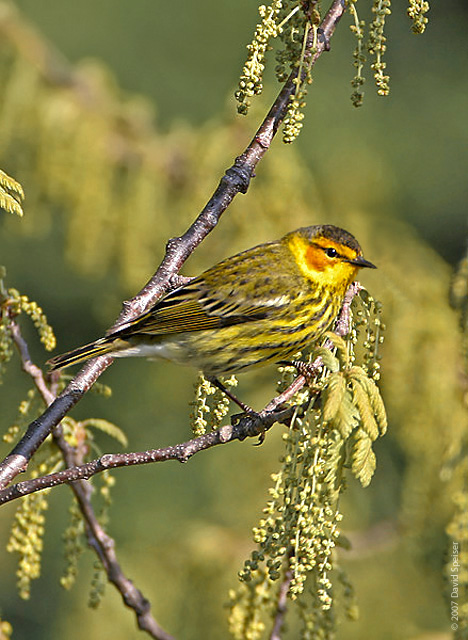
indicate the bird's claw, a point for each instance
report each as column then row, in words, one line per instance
column 252, row 422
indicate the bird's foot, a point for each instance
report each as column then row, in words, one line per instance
column 251, row 423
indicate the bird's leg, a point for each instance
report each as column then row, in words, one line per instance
column 219, row 385
column 248, row 411
column 276, row 405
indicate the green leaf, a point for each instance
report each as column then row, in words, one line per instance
column 347, row 418
column 363, row 458
column 340, row 345
column 374, row 397
column 343, row 542
column 11, row 194
column 377, row 404
column 107, row 427
column 9, row 203
column 329, row 359
column 333, row 396
column 10, row 184
column 363, row 403
column 338, row 407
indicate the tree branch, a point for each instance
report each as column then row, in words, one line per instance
column 246, row 427
column 98, row 539
column 27, row 364
column 104, row 546
column 236, row 180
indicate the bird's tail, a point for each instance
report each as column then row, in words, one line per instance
column 98, row 348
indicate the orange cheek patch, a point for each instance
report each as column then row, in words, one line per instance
column 315, row 259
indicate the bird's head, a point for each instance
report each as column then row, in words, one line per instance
column 327, row 255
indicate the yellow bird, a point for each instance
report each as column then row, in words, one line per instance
column 259, row 306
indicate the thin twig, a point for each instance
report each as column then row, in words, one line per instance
column 27, row 364
column 236, row 180
column 246, row 427
column 282, row 606
column 98, row 539
column 343, row 323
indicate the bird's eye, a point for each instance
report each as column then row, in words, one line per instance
column 331, row 253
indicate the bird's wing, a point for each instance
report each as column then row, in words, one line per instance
column 192, row 309
column 213, row 300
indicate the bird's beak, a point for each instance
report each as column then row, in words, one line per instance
column 362, row 262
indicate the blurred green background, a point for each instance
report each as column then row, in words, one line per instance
column 392, row 172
